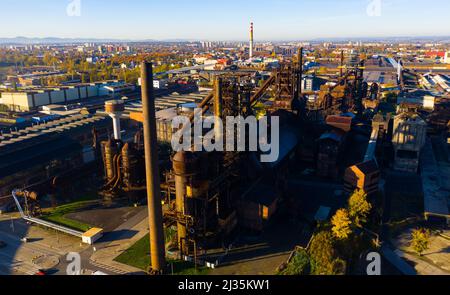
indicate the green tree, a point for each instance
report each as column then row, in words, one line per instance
column 359, row 208
column 322, row 253
column 341, row 224
column 299, row 265
column 420, row 240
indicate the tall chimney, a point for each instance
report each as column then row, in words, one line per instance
column 251, row 40
column 218, row 105
column 300, row 71
column 157, row 243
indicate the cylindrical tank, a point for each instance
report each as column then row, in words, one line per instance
column 129, row 164
column 185, row 166
column 114, row 106
column 109, row 152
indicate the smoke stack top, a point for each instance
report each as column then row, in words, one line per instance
column 251, row 40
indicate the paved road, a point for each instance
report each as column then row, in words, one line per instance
column 19, row 258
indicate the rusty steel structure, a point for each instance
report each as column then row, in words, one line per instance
column 201, row 191
column 199, row 188
column 123, row 168
column 31, row 201
column 286, row 83
column 346, row 95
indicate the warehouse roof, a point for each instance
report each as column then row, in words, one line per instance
column 37, row 133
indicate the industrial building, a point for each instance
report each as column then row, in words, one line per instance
column 422, row 98
column 312, row 83
column 364, row 176
column 386, row 80
column 409, row 137
column 34, row 156
column 28, row 100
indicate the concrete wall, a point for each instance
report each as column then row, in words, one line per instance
column 92, row 91
column 83, row 94
column 41, row 99
column 72, row 94
column 57, row 96
column 16, row 101
column 102, row 91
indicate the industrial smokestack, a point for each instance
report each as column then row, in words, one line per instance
column 251, row 40
column 218, row 105
column 157, row 243
column 300, row 71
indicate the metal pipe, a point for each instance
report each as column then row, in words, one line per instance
column 116, row 126
column 157, row 243
column 300, row 71
column 218, row 105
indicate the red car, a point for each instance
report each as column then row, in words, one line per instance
column 40, row 272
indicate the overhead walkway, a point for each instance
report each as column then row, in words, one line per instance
column 38, row 221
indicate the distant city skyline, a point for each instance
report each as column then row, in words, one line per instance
column 275, row 20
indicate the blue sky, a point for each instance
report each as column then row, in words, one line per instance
column 224, row 19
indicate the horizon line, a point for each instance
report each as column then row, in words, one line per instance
column 181, row 39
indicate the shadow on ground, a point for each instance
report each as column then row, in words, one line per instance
column 11, row 233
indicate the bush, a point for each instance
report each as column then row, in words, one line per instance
column 322, row 253
column 299, row 265
column 339, row 267
column 420, row 240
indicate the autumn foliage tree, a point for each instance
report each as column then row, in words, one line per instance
column 322, row 253
column 341, row 224
column 420, row 240
column 359, row 208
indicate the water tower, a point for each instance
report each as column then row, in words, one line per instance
column 115, row 109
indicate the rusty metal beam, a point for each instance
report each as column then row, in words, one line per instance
column 262, row 90
column 157, row 242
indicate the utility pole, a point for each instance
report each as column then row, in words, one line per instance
column 157, row 243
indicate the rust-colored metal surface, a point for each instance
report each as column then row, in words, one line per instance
column 157, row 244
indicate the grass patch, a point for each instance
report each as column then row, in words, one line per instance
column 58, row 214
column 138, row 256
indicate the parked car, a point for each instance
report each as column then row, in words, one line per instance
column 41, row 272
